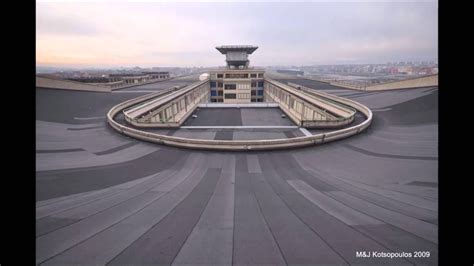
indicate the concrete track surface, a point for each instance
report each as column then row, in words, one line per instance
column 103, row 198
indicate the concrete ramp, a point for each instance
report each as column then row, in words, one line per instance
column 427, row 81
column 42, row 82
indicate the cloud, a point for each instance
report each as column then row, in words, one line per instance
column 186, row 33
column 65, row 26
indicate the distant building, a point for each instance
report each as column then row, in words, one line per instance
column 157, row 74
column 393, row 70
column 121, row 79
column 237, row 83
column 138, row 78
column 100, row 81
column 405, row 70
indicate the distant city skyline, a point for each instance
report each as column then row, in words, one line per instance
column 271, row 66
column 80, row 35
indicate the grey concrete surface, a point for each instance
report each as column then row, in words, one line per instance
column 215, row 117
column 210, row 242
column 238, row 117
column 235, row 134
column 161, row 244
column 253, row 239
column 376, row 191
column 340, row 211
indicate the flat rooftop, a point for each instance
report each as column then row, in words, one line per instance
column 237, row 48
column 104, row 198
column 271, row 116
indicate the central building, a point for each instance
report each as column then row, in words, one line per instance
column 237, row 82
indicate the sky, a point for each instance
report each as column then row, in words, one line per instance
column 184, row 34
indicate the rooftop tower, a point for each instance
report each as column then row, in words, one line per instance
column 237, row 55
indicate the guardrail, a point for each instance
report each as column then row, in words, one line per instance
column 327, row 96
column 416, row 82
column 130, row 85
column 61, row 84
column 169, row 110
column 329, row 113
column 238, row 145
column 239, row 105
column 334, row 104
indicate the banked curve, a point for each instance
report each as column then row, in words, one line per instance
column 237, row 145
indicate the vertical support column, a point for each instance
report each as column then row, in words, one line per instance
column 302, row 111
column 186, row 102
column 172, row 113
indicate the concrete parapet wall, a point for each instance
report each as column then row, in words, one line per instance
column 126, row 86
column 237, row 105
column 276, row 75
column 333, row 113
column 427, row 81
column 50, row 83
column 177, row 105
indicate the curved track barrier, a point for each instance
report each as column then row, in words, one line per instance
column 307, row 109
column 237, row 145
column 170, row 110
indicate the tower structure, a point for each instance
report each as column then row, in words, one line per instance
column 237, row 82
column 237, row 55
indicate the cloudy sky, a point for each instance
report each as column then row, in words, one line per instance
column 108, row 34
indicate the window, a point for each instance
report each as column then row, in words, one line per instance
column 230, row 86
column 243, row 96
column 213, row 84
column 243, row 86
column 260, row 83
column 219, row 76
column 219, row 84
column 253, row 92
column 260, row 75
column 220, row 93
column 231, row 96
column 260, row 92
column 253, row 75
column 213, row 93
column 213, row 100
column 254, row 84
column 236, row 76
